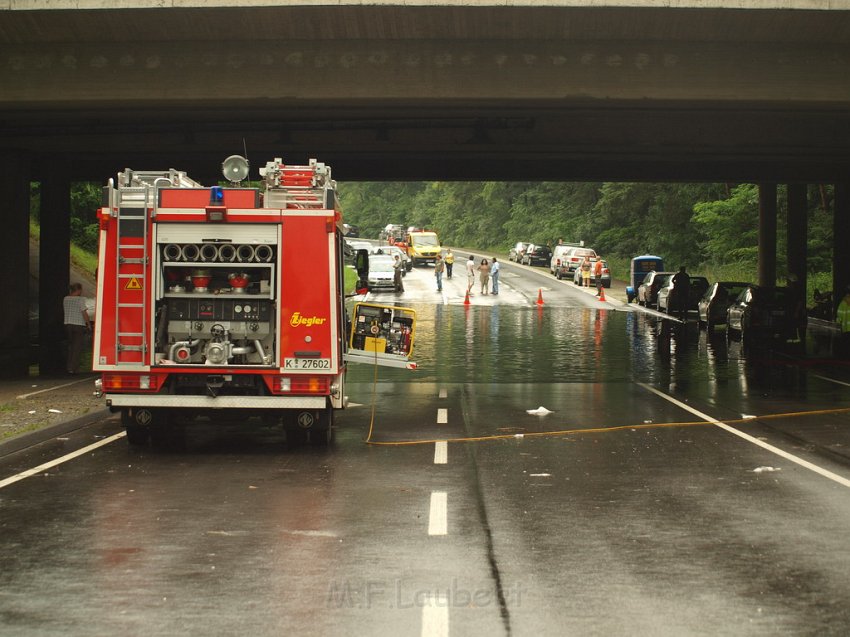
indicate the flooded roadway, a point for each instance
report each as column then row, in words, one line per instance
column 616, row 509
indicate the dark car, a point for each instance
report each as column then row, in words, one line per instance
column 516, row 253
column 666, row 298
column 536, row 255
column 647, row 293
column 712, row 306
column 758, row 311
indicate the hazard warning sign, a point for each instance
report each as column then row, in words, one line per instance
column 133, row 284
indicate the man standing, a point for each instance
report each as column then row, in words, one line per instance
column 681, row 293
column 450, row 261
column 77, row 321
column 397, row 273
column 438, row 272
column 470, row 274
column 494, row 274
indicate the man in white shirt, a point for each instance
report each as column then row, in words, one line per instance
column 77, row 321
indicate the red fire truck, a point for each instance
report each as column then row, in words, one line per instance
column 222, row 303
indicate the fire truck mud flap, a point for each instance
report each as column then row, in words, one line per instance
column 145, row 425
column 309, row 425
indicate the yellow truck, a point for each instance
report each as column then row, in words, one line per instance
column 423, row 246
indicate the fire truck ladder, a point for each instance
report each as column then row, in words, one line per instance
column 133, row 204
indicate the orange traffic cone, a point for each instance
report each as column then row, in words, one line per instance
column 601, row 292
column 466, row 300
column 539, row 296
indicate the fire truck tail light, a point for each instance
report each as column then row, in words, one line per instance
column 300, row 385
column 124, row 382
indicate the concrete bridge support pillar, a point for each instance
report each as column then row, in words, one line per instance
column 840, row 241
column 14, row 274
column 54, row 271
column 767, row 235
column 797, row 253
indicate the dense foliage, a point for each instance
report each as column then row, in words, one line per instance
column 699, row 225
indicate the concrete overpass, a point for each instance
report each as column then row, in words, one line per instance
column 544, row 89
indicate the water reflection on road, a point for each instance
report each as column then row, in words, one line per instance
column 509, row 344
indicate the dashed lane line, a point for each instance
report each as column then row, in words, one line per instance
column 442, row 416
column 435, row 616
column 441, row 452
column 438, row 516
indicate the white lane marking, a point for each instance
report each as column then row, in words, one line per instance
column 435, row 616
column 831, row 380
column 44, row 391
column 441, row 452
column 442, row 416
column 53, row 463
column 438, row 520
column 444, row 393
column 776, row 450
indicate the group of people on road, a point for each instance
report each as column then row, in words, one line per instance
column 487, row 272
column 595, row 268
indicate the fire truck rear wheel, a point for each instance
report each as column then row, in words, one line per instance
column 137, row 435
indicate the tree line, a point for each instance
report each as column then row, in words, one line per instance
column 701, row 225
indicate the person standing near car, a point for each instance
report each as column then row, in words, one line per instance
column 450, row 261
column 680, row 293
column 494, row 274
column 397, row 274
column 438, row 272
column 597, row 272
column 585, row 272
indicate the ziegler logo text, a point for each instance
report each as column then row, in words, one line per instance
column 297, row 320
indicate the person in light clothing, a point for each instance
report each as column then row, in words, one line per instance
column 77, row 322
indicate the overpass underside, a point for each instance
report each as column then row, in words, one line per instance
column 435, row 92
column 394, row 92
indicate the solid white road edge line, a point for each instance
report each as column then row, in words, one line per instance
column 441, row 452
column 438, row 516
column 826, row 378
column 89, row 379
column 776, row 450
column 435, row 616
column 53, row 463
column 442, row 416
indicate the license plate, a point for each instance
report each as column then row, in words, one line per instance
column 306, row 363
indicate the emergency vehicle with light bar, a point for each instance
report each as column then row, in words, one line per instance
column 225, row 302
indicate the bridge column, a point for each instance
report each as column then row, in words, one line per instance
column 840, row 241
column 767, row 235
column 54, row 271
column 797, row 253
column 14, row 266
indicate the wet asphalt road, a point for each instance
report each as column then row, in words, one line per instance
column 629, row 515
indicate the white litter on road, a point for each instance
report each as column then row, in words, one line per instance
column 54, row 411
column 766, row 469
column 540, row 411
column 748, row 416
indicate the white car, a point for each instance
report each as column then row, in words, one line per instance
column 392, row 251
column 381, row 272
